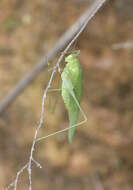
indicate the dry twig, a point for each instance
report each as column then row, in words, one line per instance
column 78, row 27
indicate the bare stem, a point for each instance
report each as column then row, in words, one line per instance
column 83, row 21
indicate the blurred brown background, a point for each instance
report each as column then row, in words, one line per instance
column 101, row 156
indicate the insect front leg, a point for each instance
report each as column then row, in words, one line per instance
column 52, row 107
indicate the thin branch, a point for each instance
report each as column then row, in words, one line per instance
column 91, row 12
column 15, row 182
column 123, row 45
column 83, row 21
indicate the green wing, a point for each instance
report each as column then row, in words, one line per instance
column 72, row 83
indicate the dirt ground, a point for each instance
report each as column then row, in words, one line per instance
column 101, row 155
